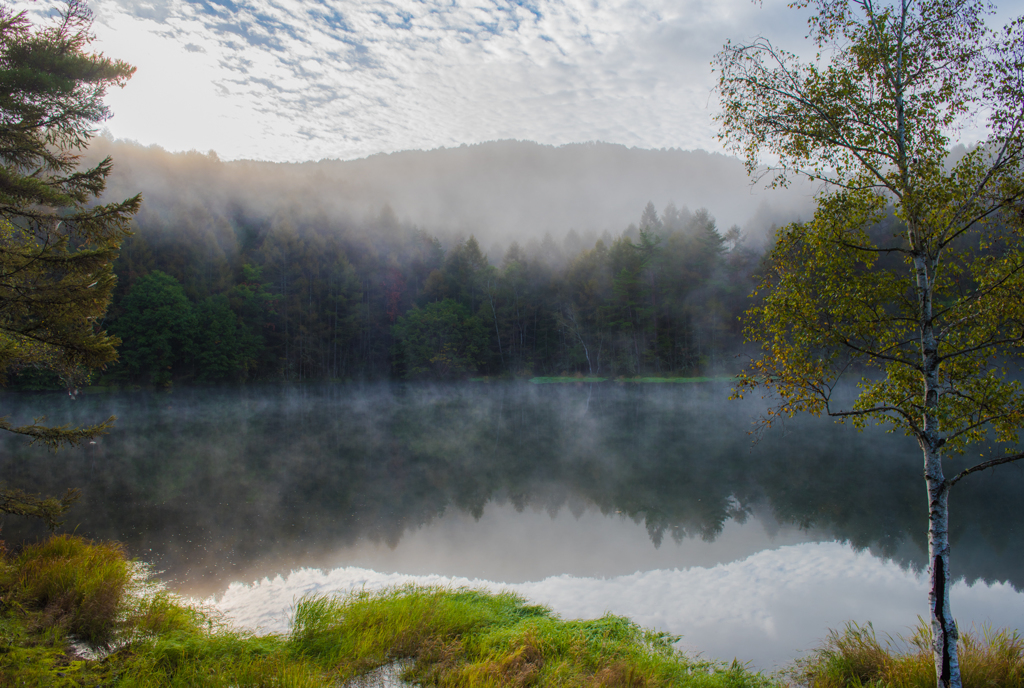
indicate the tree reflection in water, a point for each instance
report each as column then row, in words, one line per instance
column 209, row 482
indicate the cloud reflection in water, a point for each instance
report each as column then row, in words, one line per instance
column 765, row 608
column 563, row 491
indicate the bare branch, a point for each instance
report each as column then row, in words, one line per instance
column 984, row 465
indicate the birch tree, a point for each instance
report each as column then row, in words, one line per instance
column 926, row 312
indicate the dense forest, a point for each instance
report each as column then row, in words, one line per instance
column 242, row 272
column 315, row 301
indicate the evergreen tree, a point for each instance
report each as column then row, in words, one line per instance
column 254, row 305
column 56, row 250
column 649, row 220
column 158, row 329
column 440, row 340
column 223, row 346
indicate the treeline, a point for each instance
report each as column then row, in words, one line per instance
column 297, row 297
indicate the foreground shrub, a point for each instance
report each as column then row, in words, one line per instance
column 856, row 657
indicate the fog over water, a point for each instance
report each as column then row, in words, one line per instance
column 641, row 499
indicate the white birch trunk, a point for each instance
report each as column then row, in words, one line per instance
column 944, row 631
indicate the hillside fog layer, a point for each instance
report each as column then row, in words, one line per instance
column 501, row 191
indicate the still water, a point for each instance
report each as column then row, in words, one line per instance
column 644, row 500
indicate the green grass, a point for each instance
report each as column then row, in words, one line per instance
column 857, row 658
column 564, row 379
column 471, row 638
column 67, row 589
column 75, row 588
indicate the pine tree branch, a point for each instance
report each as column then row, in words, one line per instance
column 57, row 436
column 19, row 503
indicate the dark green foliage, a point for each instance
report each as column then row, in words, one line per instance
column 316, row 301
column 440, row 340
column 51, row 94
column 57, row 247
column 56, row 250
column 158, row 327
column 254, row 305
column 224, row 348
column 48, row 509
column 35, row 379
column 462, row 278
column 321, row 299
column 657, row 304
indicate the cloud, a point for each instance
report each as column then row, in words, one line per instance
column 767, row 608
column 299, row 79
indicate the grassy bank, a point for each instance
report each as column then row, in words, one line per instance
column 76, row 613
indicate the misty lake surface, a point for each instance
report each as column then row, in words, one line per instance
column 647, row 500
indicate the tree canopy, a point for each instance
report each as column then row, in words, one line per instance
column 158, row 328
column 925, row 310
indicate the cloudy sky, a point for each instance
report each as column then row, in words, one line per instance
column 310, row 79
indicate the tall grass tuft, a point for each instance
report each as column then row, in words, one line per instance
column 856, row 658
column 365, row 630
column 472, row 638
column 79, row 586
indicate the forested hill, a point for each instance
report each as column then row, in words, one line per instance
column 373, row 268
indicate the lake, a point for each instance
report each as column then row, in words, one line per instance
column 648, row 500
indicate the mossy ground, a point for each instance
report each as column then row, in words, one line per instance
column 65, row 596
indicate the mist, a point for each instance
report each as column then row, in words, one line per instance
column 651, row 501
column 224, row 484
column 500, row 191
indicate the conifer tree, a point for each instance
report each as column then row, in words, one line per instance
column 56, row 247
